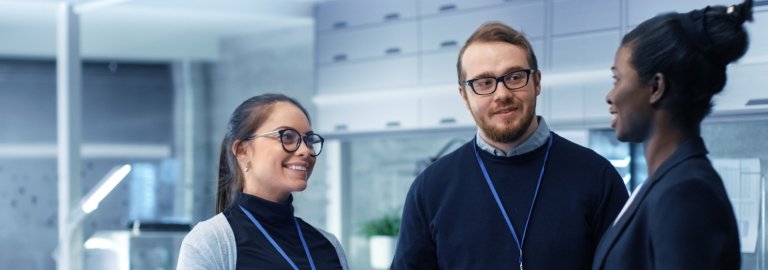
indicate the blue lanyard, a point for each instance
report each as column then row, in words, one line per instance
column 501, row 207
column 311, row 263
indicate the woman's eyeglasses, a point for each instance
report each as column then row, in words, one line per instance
column 291, row 140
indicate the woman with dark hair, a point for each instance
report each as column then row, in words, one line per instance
column 666, row 72
column 268, row 152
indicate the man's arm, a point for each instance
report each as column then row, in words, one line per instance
column 614, row 197
column 415, row 246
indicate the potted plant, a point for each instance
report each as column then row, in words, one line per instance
column 382, row 238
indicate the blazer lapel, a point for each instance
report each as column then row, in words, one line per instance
column 690, row 148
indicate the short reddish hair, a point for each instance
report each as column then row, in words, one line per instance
column 496, row 31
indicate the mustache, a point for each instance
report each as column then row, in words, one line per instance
column 505, row 104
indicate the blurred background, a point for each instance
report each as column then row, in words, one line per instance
column 160, row 79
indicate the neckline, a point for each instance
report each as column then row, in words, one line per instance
column 268, row 212
column 531, row 156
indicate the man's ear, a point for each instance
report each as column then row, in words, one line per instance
column 464, row 96
column 658, row 88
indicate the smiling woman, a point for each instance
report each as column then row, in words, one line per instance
column 269, row 151
column 667, row 70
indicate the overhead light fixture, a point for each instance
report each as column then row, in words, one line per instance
column 620, row 163
column 98, row 243
column 104, row 187
column 97, row 5
column 91, row 200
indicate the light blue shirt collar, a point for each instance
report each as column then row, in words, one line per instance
column 539, row 138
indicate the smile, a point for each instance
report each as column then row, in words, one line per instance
column 296, row 167
column 505, row 110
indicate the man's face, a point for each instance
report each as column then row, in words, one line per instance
column 505, row 115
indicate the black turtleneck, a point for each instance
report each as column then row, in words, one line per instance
column 254, row 250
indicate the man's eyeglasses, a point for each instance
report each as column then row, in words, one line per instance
column 487, row 85
column 291, row 140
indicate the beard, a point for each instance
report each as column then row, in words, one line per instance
column 508, row 132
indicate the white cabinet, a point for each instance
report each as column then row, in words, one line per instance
column 343, row 14
column 445, row 108
column 368, row 114
column 440, row 67
column 380, row 41
column 595, row 105
column 758, row 38
column 428, row 7
column 573, row 16
column 745, row 82
column 452, row 31
column 367, row 75
column 641, row 10
column 566, row 102
column 594, row 51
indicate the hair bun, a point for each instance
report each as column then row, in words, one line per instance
column 742, row 12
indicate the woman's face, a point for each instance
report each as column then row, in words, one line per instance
column 630, row 100
column 273, row 172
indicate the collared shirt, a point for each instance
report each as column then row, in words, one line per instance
column 539, row 138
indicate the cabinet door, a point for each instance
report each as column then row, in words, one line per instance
column 445, row 108
column 566, row 102
column 429, row 7
column 381, row 41
column 595, row 106
column 452, row 31
column 641, row 10
column 573, row 16
column 758, row 38
column 744, row 89
column 367, row 75
column 368, row 114
column 586, row 52
column 335, row 15
column 440, row 67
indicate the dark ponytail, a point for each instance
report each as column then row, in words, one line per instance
column 245, row 120
column 692, row 50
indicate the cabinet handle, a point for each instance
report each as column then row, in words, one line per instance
column 447, row 121
column 447, row 7
column 394, row 124
column 752, row 102
column 449, row 43
column 339, row 57
column 392, row 51
column 340, row 25
column 391, row 16
column 341, row 127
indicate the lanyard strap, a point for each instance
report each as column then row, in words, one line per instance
column 274, row 244
column 498, row 201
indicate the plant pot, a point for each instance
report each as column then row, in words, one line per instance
column 382, row 250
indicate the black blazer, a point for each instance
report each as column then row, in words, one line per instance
column 681, row 218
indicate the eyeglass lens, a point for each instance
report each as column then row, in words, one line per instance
column 292, row 139
column 512, row 80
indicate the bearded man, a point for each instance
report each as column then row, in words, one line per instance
column 517, row 195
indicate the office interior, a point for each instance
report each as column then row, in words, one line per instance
column 159, row 79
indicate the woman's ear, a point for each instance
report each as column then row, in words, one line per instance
column 658, row 88
column 239, row 149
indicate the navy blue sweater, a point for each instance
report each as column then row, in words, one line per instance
column 451, row 220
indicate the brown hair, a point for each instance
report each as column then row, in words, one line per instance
column 245, row 120
column 496, row 31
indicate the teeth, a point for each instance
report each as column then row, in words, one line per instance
column 295, row 167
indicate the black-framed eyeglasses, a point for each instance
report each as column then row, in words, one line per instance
column 291, row 140
column 487, row 85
